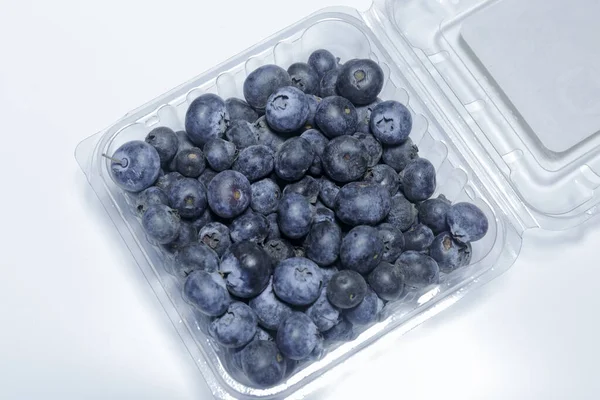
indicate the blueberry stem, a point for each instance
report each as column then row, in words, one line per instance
column 120, row 162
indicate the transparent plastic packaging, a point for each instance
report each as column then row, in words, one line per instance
column 467, row 122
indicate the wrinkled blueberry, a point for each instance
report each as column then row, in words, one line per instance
column 449, row 253
column 419, row 237
column 403, row 213
column 346, row 289
column 207, row 293
column 360, row 81
column 236, row 327
column 294, row 216
column 190, row 162
column 188, row 197
column 249, row 226
column 418, row 180
column 327, row 85
column 362, row 203
column 336, row 116
column 287, row 110
column 242, row 134
column 361, row 249
column 247, row 268
column 206, row 119
column 187, row 235
column 393, row 242
column 161, row 223
column 297, row 336
column 293, row 159
column 387, row 281
column 372, row 145
column 398, row 157
column 385, row 176
column 266, row 136
column 164, row 182
column 419, row 270
column 229, row 194
column 195, row 256
column 323, row 314
column 274, row 232
column 328, row 191
column 432, row 212
column 165, row 141
column 135, row 166
column 297, row 281
column 467, row 222
column 322, row 61
column 304, row 77
column 367, row 311
column 150, row 197
column 265, row 196
column 239, row 110
column 263, row 82
column 254, row 162
column 262, row 363
column 323, row 243
column 343, row 331
column 364, row 117
column 269, row 310
column 279, row 250
column 391, row 122
column 307, row 187
column 220, row 154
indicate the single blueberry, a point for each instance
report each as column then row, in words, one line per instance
column 387, row 281
column 336, row 116
column 294, row 216
column 385, row 176
column 304, row 77
column 254, row 162
column 307, row 187
column 419, row 237
column 242, row 134
column 467, row 222
column 269, row 310
column 164, row 182
column 364, row 116
column 361, row 249
column 216, row 236
column 360, row 81
column 220, row 154
column 328, row 191
column 206, row 119
column 322, row 61
column 207, row 293
column 263, row 82
column 194, row 256
column 293, row 159
column 165, row 141
column 188, row 197
column 249, row 226
column 297, row 336
column 161, row 223
column 391, row 122
column 419, row 270
column 345, row 159
column 135, row 166
column 287, row 110
column 403, row 213
column 190, row 162
column 239, row 110
column 432, row 212
column 398, row 157
column 235, row 328
column 247, row 268
column 266, row 136
column 323, row 243
column 317, row 140
column 229, row 194
column 367, row 311
column 149, row 197
column 297, row 281
column 274, row 232
column 322, row 214
column 343, row 331
column 346, row 289
column 313, row 104
column 265, row 196
column 187, row 235
column 327, row 85
column 372, row 145
column 207, row 176
column 449, row 253
column 203, row 220
column 323, row 314
column 362, row 203
column 393, row 242
column 183, row 140
column 262, row 363
column 418, row 180
column 279, row 250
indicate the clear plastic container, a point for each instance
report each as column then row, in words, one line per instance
column 478, row 92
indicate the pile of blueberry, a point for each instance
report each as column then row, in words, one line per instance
column 291, row 218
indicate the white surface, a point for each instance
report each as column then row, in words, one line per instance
column 78, row 320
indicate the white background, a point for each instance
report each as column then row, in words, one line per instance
column 77, row 320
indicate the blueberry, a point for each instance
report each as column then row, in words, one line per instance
column 322, row 214
column 361, row 249
column 239, row 110
column 165, row 141
column 398, row 157
column 367, row 311
column 165, row 181
column 346, row 289
column 304, row 78
column 323, row 243
column 323, row 314
column 195, row 256
column 149, row 197
column 188, row 197
column 274, row 232
column 293, row 159
column 161, row 223
column 336, row 116
column 449, row 253
column 265, row 196
column 328, row 191
column 418, row 180
column 242, row 134
column 207, row 293
column 190, row 162
column 216, row 236
column 327, row 273
column 294, row 216
column 207, row 176
column 467, row 222
column 391, row 122
column 385, row 176
column 269, row 309
column 322, row 61
column 183, row 140
column 266, row 136
column 387, row 281
column 279, row 250
column 419, row 270
column 220, row 154
column 393, row 242
column 287, row 110
column 419, row 237
column 345, row 159
column 249, row 226
column 187, row 234
column 135, row 166
column 247, row 268
column 342, row 332
column 297, row 281
column 229, row 194
column 254, row 162
column 372, row 146
column 236, row 327
column 313, row 104
column 206, row 119
column 203, row 220
column 360, row 81
column 262, row 363
column 307, row 187
column 297, row 336
column 263, row 82
column 317, row 140
column 403, row 213
column 433, row 213
column 362, row 203
column 327, row 84
column 364, row 117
